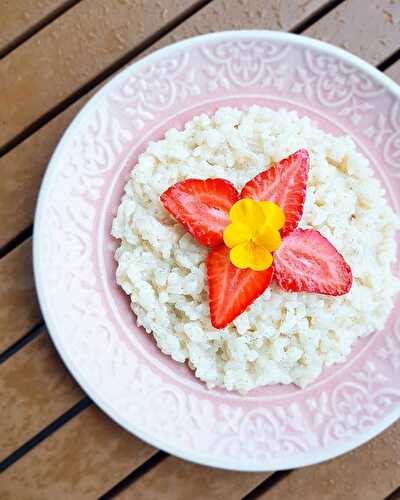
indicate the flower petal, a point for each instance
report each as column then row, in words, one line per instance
column 247, row 212
column 269, row 238
column 252, row 256
column 260, row 258
column 236, row 233
column 273, row 213
column 241, row 255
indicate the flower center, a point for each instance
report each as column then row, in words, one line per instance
column 253, row 233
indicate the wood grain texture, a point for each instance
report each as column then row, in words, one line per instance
column 221, row 15
column 348, row 26
column 370, row 472
column 35, row 389
column 82, row 460
column 17, row 17
column 19, row 309
column 369, row 29
column 73, row 50
column 23, row 167
column 179, row 480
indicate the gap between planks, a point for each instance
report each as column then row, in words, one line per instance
column 395, row 495
column 266, row 485
column 18, row 240
column 34, row 332
column 389, row 61
column 81, row 405
column 315, row 16
column 136, row 474
column 36, row 27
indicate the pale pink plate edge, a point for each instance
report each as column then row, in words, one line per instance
column 288, row 462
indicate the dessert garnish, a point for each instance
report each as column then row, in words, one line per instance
column 254, row 237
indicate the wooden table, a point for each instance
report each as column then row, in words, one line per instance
column 55, row 54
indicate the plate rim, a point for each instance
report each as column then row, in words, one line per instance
column 293, row 461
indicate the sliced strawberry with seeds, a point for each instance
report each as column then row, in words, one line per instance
column 307, row 262
column 202, row 206
column 284, row 183
column 230, row 289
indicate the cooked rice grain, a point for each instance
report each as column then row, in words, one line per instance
column 281, row 337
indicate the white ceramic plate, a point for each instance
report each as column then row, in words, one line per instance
column 88, row 316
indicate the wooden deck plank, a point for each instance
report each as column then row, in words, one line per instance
column 374, row 468
column 35, row 389
column 179, row 480
column 17, row 17
column 83, row 459
column 71, row 51
column 368, row 29
column 23, row 167
column 19, row 309
column 280, row 15
column 370, row 472
column 342, row 26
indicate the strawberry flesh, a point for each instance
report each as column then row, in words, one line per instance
column 307, row 262
column 202, row 206
column 284, row 183
column 230, row 289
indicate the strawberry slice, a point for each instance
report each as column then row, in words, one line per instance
column 230, row 289
column 284, row 183
column 202, row 206
column 308, row 262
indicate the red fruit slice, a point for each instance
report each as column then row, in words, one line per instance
column 202, row 206
column 285, row 184
column 308, row 262
column 230, row 289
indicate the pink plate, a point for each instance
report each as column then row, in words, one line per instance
column 88, row 316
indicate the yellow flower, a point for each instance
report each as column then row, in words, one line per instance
column 253, row 233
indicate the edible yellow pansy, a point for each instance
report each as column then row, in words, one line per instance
column 253, row 233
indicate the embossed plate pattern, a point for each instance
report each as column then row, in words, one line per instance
column 89, row 318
